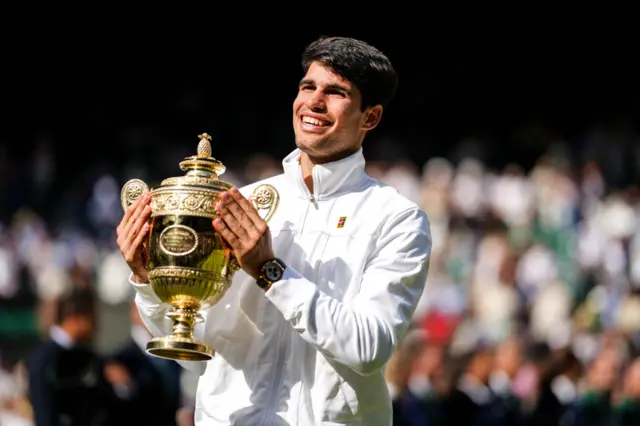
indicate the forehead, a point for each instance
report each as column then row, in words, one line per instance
column 322, row 75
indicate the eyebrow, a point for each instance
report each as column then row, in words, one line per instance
column 305, row 81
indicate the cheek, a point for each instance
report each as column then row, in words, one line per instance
column 301, row 99
column 296, row 105
column 349, row 122
column 348, row 114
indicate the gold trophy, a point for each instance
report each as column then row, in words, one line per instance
column 190, row 266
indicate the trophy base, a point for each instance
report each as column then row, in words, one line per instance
column 179, row 348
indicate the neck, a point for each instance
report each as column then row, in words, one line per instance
column 73, row 333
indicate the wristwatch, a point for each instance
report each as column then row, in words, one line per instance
column 271, row 271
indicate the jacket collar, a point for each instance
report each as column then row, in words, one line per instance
column 330, row 179
column 61, row 337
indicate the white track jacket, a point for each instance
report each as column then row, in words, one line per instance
column 312, row 349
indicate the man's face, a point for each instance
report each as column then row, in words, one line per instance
column 327, row 120
column 83, row 327
column 508, row 357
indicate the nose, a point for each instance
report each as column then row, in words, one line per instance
column 316, row 102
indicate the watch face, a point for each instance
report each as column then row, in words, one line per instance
column 272, row 271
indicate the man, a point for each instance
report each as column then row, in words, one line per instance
column 149, row 387
column 66, row 385
column 328, row 288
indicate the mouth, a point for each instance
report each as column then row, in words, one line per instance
column 313, row 124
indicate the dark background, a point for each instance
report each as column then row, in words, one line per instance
column 109, row 102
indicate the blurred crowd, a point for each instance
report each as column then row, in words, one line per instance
column 531, row 313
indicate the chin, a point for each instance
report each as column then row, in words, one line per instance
column 310, row 145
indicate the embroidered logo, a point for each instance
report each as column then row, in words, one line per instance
column 341, row 221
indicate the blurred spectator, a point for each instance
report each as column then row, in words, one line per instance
column 149, row 387
column 66, row 384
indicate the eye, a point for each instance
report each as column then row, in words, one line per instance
column 336, row 93
column 307, row 88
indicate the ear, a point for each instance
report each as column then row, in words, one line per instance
column 372, row 117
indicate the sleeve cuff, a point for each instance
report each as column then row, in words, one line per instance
column 291, row 293
column 145, row 291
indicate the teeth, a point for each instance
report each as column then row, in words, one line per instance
column 313, row 121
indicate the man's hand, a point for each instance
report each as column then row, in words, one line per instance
column 244, row 230
column 132, row 230
column 117, row 374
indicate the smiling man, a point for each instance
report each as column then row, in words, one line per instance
column 328, row 287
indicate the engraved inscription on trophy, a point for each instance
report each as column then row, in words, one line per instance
column 178, row 240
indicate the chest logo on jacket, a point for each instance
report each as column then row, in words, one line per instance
column 341, row 222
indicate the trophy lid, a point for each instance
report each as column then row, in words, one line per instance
column 202, row 169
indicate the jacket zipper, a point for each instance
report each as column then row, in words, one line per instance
column 311, row 196
column 281, row 352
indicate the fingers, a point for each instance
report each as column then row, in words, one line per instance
column 128, row 212
column 142, row 219
column 134, row 227
column 235, row 217
column 130, row 243
column 239, row 222
column 244, row 211
column 230, row 221
column 226, row 233
column 142, row 207
column 139, row 236
column 249, row 209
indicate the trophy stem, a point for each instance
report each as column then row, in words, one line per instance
column 181, row 344
column 184, row 320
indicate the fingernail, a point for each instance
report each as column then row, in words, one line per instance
column 234, row 190
column 218, row 207
column 217, row 221
column 225, row 196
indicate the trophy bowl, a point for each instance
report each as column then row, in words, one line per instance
column 190, row 266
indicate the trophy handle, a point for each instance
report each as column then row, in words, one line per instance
column 131, row 191
column 265, row 199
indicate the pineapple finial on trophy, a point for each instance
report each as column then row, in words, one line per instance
column 203, row 164
column 204, row 147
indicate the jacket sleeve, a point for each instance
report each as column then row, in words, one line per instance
column 42, row 396
column 153, row 313
column 363, row 334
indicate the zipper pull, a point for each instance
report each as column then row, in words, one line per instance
column 313, row 202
